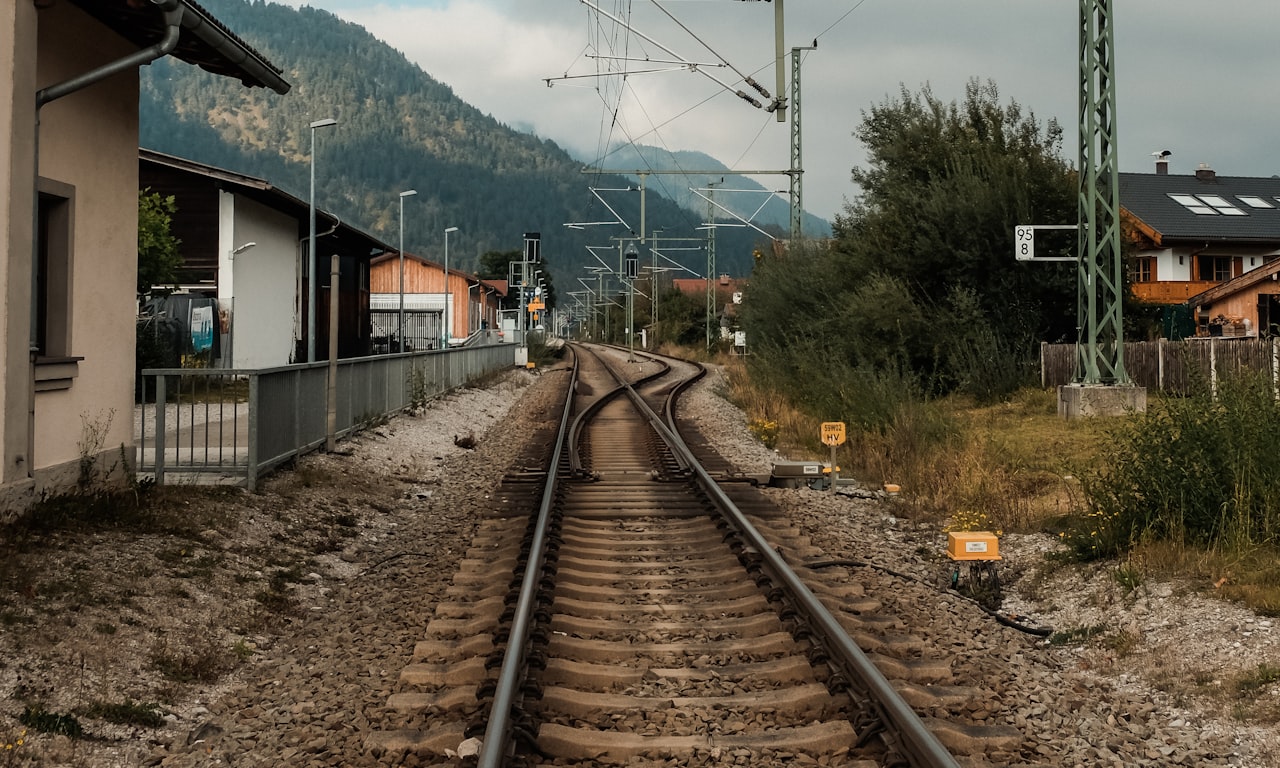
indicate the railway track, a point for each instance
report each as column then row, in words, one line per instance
column 620, row 606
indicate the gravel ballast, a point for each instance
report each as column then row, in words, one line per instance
column 306, row 600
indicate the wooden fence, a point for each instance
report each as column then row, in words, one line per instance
column 1171, row 366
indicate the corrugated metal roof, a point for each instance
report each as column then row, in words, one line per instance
column 1148, row 197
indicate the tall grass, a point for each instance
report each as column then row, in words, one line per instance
column 1014, row 461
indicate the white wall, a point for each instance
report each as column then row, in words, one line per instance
column 1168, row 268
column 261, row 282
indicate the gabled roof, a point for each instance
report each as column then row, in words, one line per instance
column 1239, row 209
column 1267, row 271
column 203, row 41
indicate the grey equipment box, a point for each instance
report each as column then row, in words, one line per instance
column 794, row 474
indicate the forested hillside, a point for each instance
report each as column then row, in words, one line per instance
column 398, row 129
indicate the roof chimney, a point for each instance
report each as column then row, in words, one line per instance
column 1162, row 162
column 1205, row 173
column 724, row 279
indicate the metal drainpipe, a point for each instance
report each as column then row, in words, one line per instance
column 173, row 11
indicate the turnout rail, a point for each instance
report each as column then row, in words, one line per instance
column 648, row 616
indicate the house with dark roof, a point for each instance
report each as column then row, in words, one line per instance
column 68, row 224
column 1192, row 233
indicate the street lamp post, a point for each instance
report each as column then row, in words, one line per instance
column 311, row 245
column 400, row 332
column 447, row 294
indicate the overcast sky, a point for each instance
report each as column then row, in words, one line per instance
column 1193, row 77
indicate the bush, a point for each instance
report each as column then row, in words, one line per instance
column 1200, row 470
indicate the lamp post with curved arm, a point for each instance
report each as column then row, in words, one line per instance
column 447, row 293
column 400, row 333
column 311, row 245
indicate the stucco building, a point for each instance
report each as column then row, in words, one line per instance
column 68, row 222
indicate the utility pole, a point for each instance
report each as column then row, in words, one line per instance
column 711, row 260
column 1100, row 384
column 1100, row 346
column 780, row 77
column 797, row 165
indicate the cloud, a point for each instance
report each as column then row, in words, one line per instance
column 1187, row 79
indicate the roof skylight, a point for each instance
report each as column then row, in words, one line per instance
column 1194, row 205
column 1209, row 205
column 1221, row 205
column 1254, row 201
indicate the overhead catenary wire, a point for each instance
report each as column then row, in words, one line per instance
column 745, row 78
column 616, row 37
column 691, row 66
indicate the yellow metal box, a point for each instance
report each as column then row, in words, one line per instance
column 973, row 545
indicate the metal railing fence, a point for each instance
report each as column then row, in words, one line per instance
column 234, row 425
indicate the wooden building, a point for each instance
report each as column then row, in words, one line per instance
column 471, row 304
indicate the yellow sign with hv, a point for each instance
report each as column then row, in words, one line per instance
column 536, row 305
column 833, row 433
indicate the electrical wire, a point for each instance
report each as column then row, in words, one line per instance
column 1011, row 621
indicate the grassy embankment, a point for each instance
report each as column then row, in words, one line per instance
column 1017, row 466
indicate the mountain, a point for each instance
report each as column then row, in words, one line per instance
column 398, row 129
column 740, row 194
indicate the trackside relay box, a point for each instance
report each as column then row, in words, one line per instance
column 973, row 545
column 793, row 474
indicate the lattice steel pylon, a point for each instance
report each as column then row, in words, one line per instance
column 1100, row 317
column 797, row 162
column 711, row 266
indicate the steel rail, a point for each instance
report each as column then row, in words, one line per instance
column 917, row 743
column 575, row 431
column 497, row 734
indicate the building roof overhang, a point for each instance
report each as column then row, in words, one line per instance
column 204, row 41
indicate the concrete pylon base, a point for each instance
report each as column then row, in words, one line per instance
column 1077, row 401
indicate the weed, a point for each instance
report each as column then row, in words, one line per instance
column 126, row 712
column 39, row 719
column 276, row 599
column 967, row 520
column 11, row 618
column 1076, row 634
column 242, row 650
column 11, row 746
column 1123, row 642
column 765, row 430
column 1262, row 676
column 419, row 393
column 1128, row 577
column 199, row 659
column 105, row 628
column 93, row 437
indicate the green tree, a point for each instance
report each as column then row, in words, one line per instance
column 943, row 189
column 919, row 292
column 158, row 255
column 494, row 264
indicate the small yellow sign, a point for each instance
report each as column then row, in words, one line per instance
column 535, row 305
column 833, row 433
